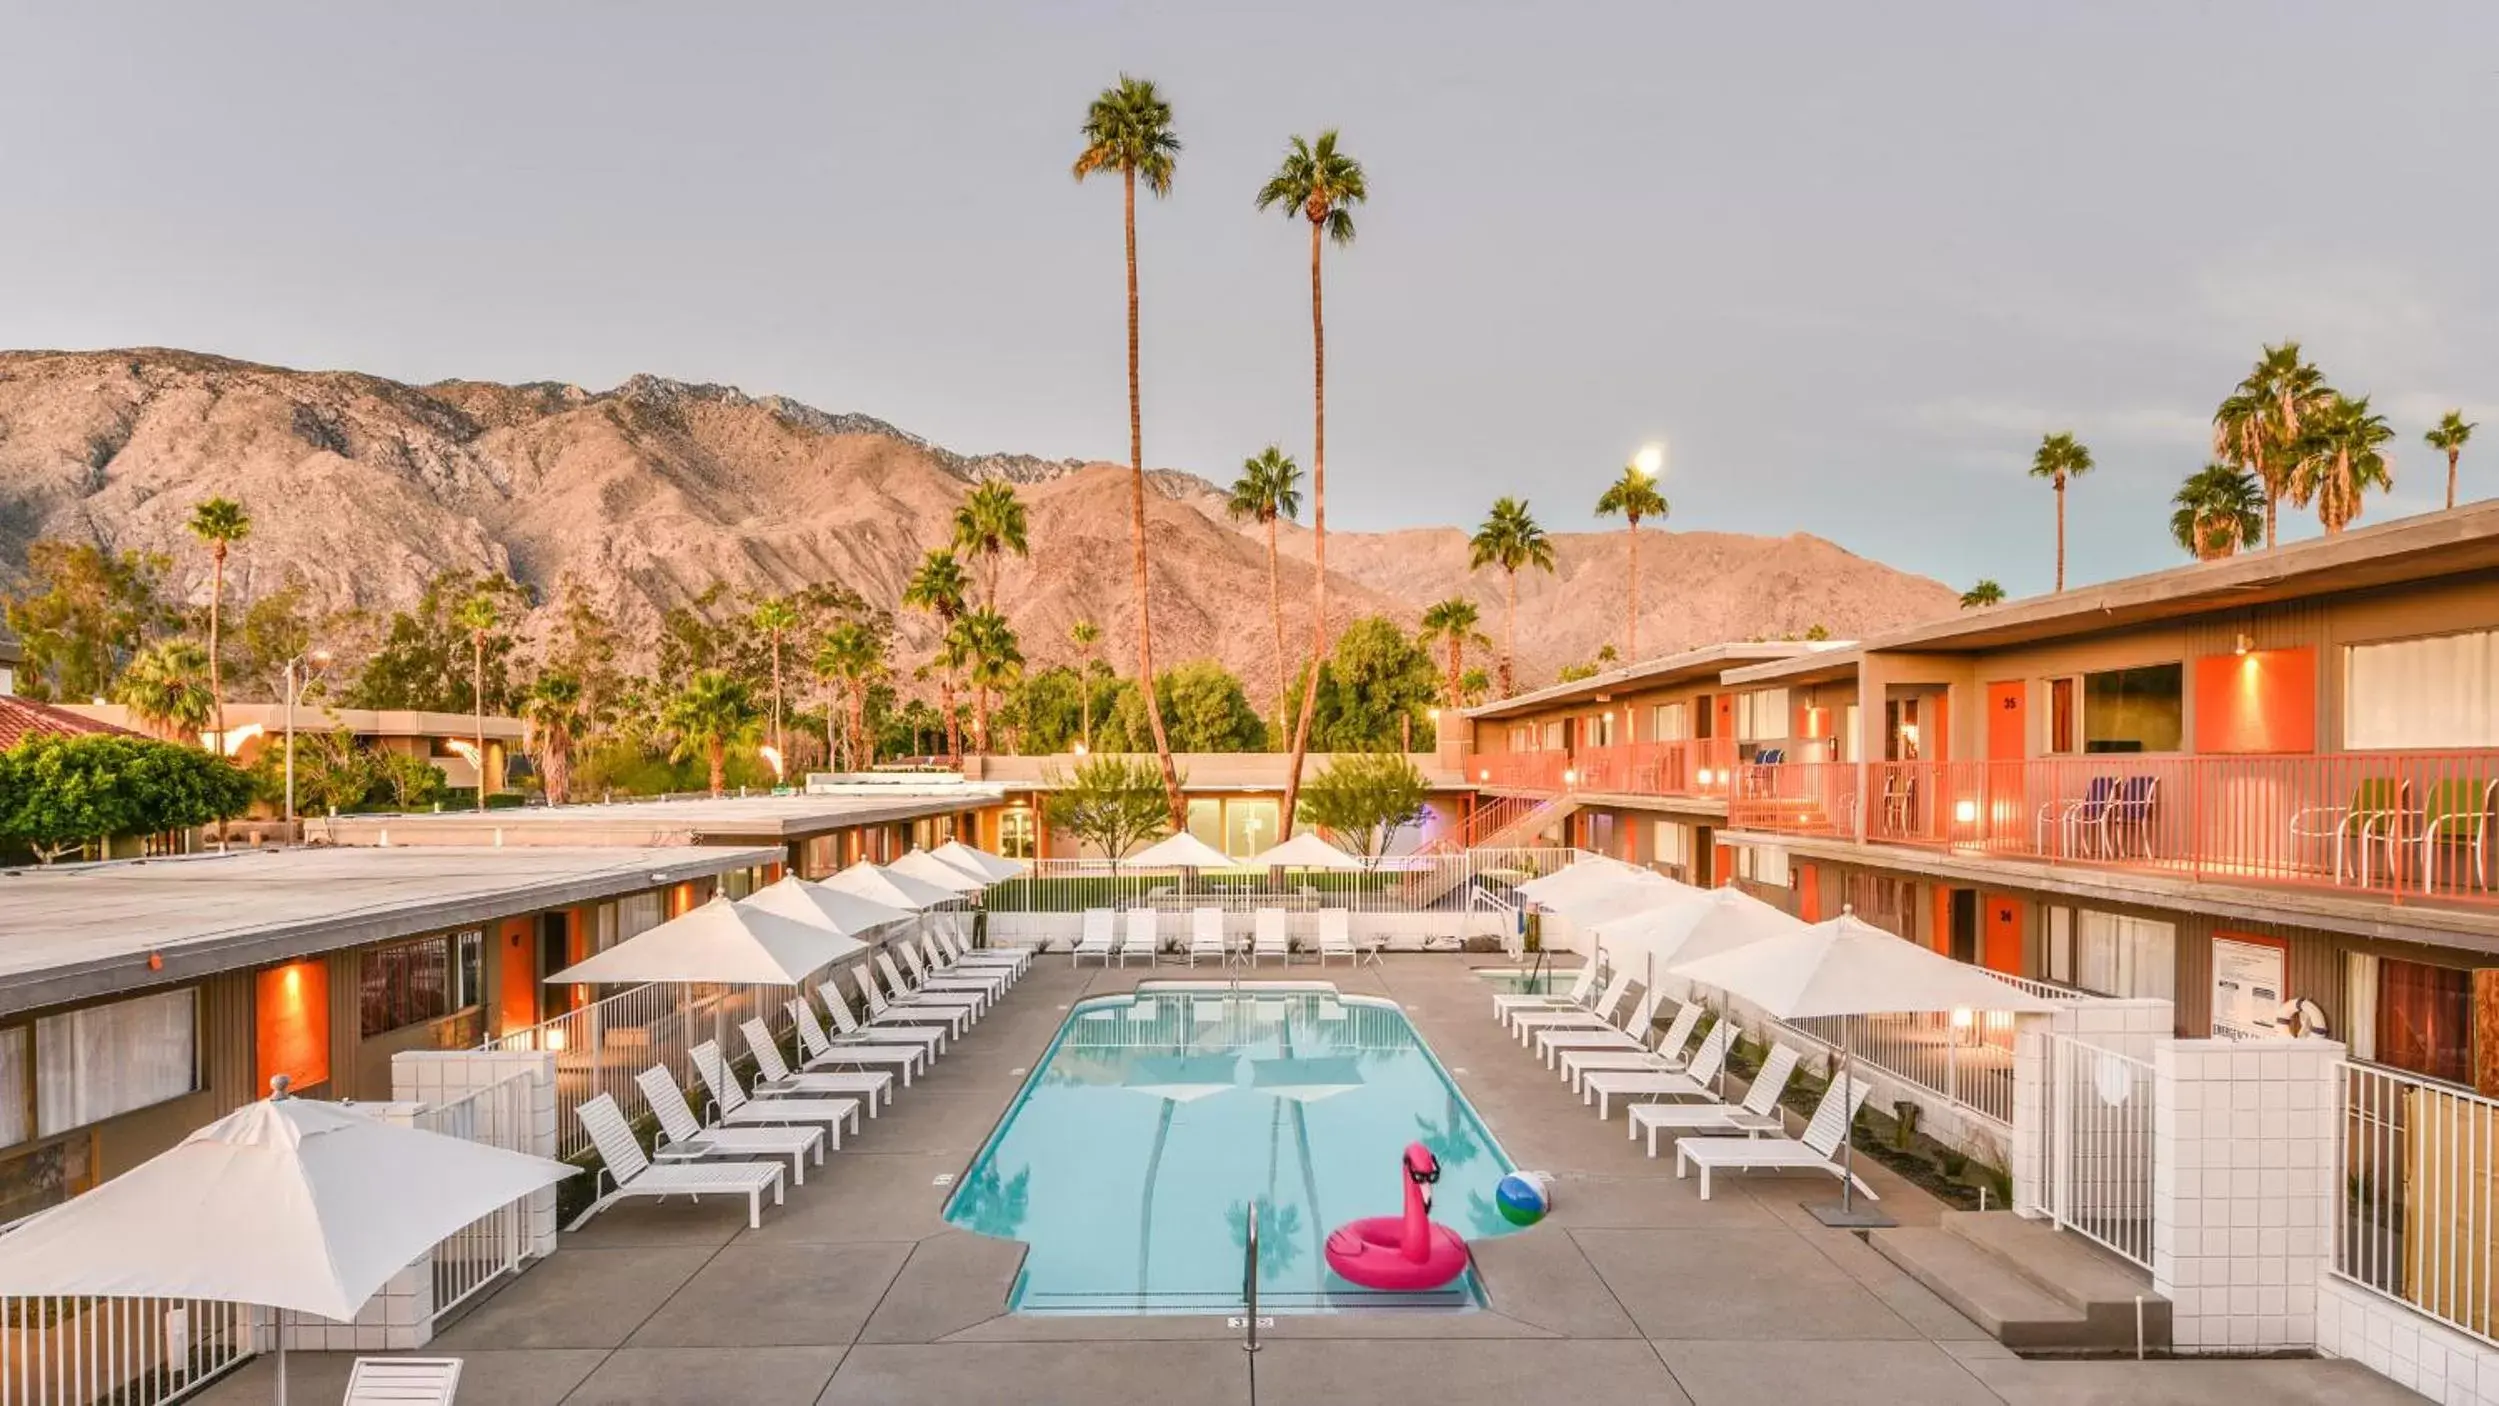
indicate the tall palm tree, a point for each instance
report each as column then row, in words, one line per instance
column 167, row 688
column 1320, row 184
column 774, row 619
column 1510, row 539
column 1982, row 595
column 2257, row 428
column 2220, row 510
column 220, row 522
column 985, row 648
column 937, row 588
column 714, row 712
column 1452, row 623
column 1128, row 129
column 2340, row 458
column 850, row 657
column 1633, row 497
column 988, row 524
column 2449, row 437
column 1268, row 489
column 478, row 615
column 2059, row 459
column 552, row 710
column 1085, row 635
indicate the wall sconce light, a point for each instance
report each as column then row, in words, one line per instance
column 1484, row 774
column 1570, row 777
column 1964, row 812
column 1706, row 776
column 554, row 1041
column 1961, row 1020
column 2242, row 644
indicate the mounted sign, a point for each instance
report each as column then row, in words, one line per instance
column 2249, row 974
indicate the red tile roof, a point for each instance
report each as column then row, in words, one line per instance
column 21, row 718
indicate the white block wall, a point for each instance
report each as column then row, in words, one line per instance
column 2391, row 1340
column 440, row 1076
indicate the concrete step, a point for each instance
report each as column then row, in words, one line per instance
column 1986, row 1290
column 2032, row 1288
column 2061, row 1262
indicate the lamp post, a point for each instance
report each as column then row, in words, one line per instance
column 319, row 659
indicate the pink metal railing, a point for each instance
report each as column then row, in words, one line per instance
column 1539, row 771
column 1689, row 767
column 1795, row 798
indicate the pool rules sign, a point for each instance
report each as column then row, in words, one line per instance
column 2248, row 977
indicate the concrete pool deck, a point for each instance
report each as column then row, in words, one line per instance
column 1635, row 1290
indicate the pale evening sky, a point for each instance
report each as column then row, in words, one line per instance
column 1851, row 260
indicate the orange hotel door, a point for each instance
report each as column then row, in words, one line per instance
column 2002, row 948
column 2008, row 743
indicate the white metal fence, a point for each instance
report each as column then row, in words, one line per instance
column 479, row 1253
column 2097, row 1181
column 1963, row 1057
column 116, row 1352
column 2418, row 1222
column 1467, row 880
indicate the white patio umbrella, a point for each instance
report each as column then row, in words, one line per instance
column 1558, row 889
column 288, row 1204
column 929, row 869
column 979, row 863
column 1845, row 967
column 724, row 942
column 1180, row 851
column 885, row 885
column 1304, row 851
column 845, row 913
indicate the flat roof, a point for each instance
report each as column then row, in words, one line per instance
column 1707, row 661
column 703, row 819
column 1808, row 668
column 75, row 932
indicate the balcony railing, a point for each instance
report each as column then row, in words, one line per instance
column 1690, row 767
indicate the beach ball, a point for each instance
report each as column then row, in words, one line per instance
column 1523, row 1198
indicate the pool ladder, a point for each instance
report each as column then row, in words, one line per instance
column 1249, row 1282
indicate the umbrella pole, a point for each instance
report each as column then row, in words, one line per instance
column 279, row 1315
column 1847, row 1215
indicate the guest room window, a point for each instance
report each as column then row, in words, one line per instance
column 95, row 1063
column 2441, row 691
column 2134, row 710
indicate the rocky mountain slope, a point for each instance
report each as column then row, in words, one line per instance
column 648, row 493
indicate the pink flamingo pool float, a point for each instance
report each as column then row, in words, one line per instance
column 1411, row 1251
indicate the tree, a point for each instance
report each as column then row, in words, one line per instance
column 427, row 661
column 413, row 782
column 988, row 524
column 220, row 522
column 1452, row 623
column 1086, row 635
column 273, row 629
column 2339, row 458
column 1366, row 798
column 1374, row 690
column 167, row 688
column 60, row 793
column 479, row 616
column 1269, row 489
column 1474, row 688
column 2258, row 426
column 714, row 712
column 1111, row 804
column 774, row 619
column 554, row 718
column 2060, row 458
column 1511, row 540
column 937, row 588
column 1633, row 497
column 851, row 657
column 993, row 661
column 1203, row 708
column 2220, row 510
column 1128, row 129
column 82, row 614
column 332, row 772
column 2449, row 437
column 1321, row 185
column 1982, row 595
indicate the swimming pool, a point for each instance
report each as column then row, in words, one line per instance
column 1129, row 1160
column 1529, row 981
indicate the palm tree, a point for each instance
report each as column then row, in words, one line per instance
column 478, row 615
column 714, row 712
column 937, row 588
column 1269, row 488
column 1085, row 635
column 2448, row 437
column 168, row 688
column 1510, row 539
column 988, row 524
column 1128, row 129
column 552, row 711
column 2340, row 460
column 774, row 619
column 220, row 522
column 2059, row 458
column 2220, row 510
column 851, row 657
column 1321, row 185
column 1474, row 688
column 983, row 645
column 2257, row 428
column 1452, row 623
column 1634, row 496
column 1982, row 595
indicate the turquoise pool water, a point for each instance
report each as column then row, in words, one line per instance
column 1525, row 981
column 1129, row 1160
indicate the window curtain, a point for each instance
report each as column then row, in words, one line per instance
column 2425, row 1019
column 105, row 1060
column 17, row 1121
column 2437, row 692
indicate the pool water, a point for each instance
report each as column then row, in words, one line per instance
column 1130, row 1159
column 1523, row 981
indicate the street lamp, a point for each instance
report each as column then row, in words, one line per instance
column 296, row 676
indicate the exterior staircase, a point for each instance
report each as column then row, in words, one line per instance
column 2038, row 1290
column 1507, row 823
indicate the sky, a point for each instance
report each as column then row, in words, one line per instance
column 1848, row 261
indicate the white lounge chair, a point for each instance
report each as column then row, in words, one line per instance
column 403, row 1381
column 1099, row 939
column 944, row 955
column 1817, row 1151
column 1664, row 1057
column 956, row 1019
column 774, row 1077
column 729, row 1096
column 927, row 975
column 819, row 1050
column 682, row 1137
column 972, row 996
column 1632, row 1035
column 1206, row 935
column 960, row 952
column 631, row 1174
column 1599, row 1014
column 862, row 1040
column 1270, row 938
column 1583, row 988
column 1605, row 1085
column 1757, row 1115
column 1140, row 936
column 1336, row 937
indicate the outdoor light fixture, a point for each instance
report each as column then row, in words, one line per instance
column 1484, row 774
column 1570, row 777
column 1961, row 1020
column 1080, row 749
column 1963, row 812
column 2242, row 644
column 1707, row 776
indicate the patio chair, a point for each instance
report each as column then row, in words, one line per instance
column 1269, row 937
column 729, row 1096
column 403, row 1381
column 1596, row 1015
column 2072, row 815
column 1900, row 802
column 1206, row 935
column 683, row 1138
column 1757, row 1115
column 2457, row 816
column 1336, row 937
column 849, row 1034
column 1015, row 961
column 950, row 990
column 1692, row 1081
column 1664, row 1056
column 1817, row 1151
column 930, row 974
column 1100, row 925
column 623, row 1166
column 1583, row 985
column 953, row 1019
column 2375, row 819
column 775, row 1078
column 1632, row 1036
column 901, row 1053
column 2130, row 814
column 1140, row 937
